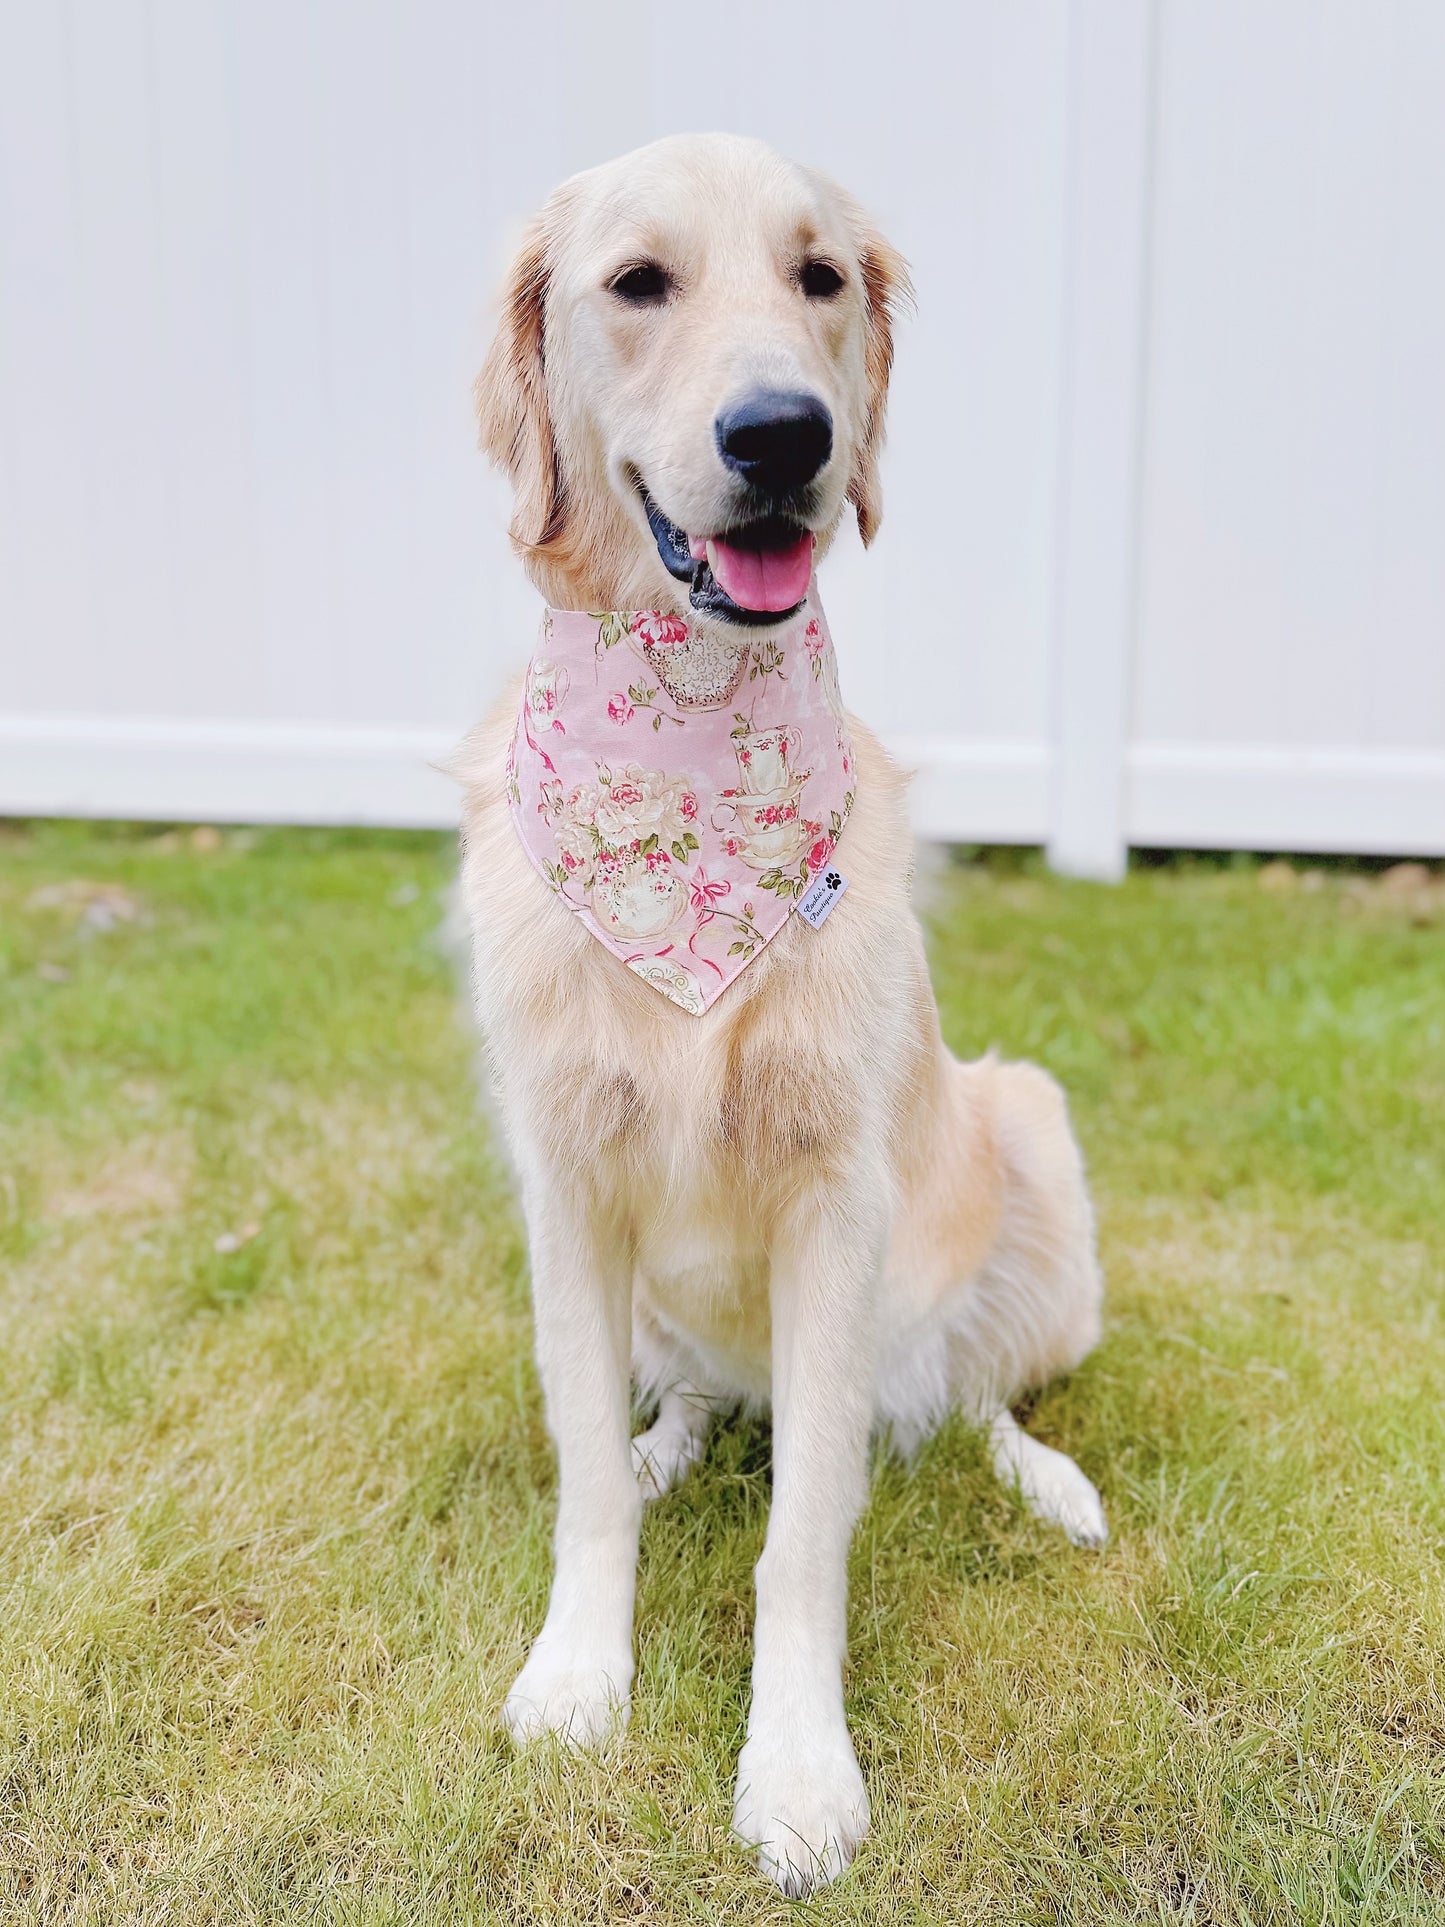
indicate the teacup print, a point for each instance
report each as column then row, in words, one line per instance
column 547, row 686
column 698, row 671
column 626, row 839
column 768, row 829
column 672, row 979
column 766, row 758
column 639, row 899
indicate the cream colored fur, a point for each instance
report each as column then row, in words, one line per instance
column 800, row 1200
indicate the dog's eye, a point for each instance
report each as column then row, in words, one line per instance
column 819, row 280
column 645, row 283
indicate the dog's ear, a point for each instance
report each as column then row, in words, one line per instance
column 513, row 415
column 886, row 290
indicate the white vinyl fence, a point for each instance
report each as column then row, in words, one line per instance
column 1164, row 553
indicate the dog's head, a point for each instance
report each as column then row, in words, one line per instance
column 689, row 378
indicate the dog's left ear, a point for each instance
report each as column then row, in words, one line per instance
column 886, row 290
column 513, row 414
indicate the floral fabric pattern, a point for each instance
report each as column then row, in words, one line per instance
column 679, row 789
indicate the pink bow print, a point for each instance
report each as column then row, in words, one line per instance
column 705, row 894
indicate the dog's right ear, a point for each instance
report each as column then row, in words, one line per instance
column 511, row 396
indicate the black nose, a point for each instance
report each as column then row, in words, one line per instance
column 775, row 440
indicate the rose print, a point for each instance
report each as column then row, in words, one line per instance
column 770, row 815
column 619, row 709
column 581, row 802
column 634, row 804
column 659, row 631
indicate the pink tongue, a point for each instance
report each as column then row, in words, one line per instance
column 763, row 578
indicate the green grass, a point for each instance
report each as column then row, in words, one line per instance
column 274, row 1518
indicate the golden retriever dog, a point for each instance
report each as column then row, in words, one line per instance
column 800, row 1199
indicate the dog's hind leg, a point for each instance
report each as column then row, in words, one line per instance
column 666, row 1452
column 1028, row 1308
column 1043, row 1280
column 1048, row 1482
column 1036, row 1307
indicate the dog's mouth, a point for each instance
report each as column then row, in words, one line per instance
column 755, row 573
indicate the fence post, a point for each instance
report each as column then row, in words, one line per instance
column 1107, row 188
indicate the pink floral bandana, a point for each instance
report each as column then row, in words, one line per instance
column 678, row 787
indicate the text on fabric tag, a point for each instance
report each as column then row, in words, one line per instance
column 820, row 896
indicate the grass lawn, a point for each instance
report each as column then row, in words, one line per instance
column 277, row 1494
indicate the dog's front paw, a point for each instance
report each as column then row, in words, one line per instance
column 801, row 1802
column 581, row 1696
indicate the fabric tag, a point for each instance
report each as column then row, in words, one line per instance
column 820, row 896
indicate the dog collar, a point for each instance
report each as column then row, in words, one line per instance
column 679, row 787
